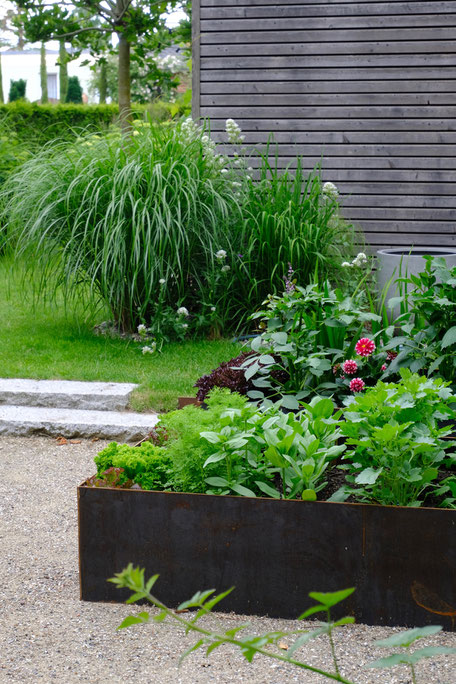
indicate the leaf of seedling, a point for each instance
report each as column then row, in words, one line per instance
column 309, row 495
column 267, row 489
column 332, row 598
column 406, row 639
column 311, row 611
column 217, row 482
column 211, row 437
column 139, row 619
column 213, row 646
column 136, row 597
column 195, row 647
column 243, row 491
column 231, row 633
column 160, row 617
column 368, row 476
column 197, row 599
column 151, row 582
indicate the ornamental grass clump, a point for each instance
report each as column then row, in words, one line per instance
column 289, row 216
column 140, row 220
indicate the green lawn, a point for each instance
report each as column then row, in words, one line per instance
column 43, row 342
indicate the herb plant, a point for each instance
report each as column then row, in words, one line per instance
column 428, row 328
column 397, row 442
column 148, row 465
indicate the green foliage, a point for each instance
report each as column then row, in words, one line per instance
column 305, row 332
column 398, row 446
column 74, row 91
column 123, row 217
column 17, row 90
column 185, row 446
column 36, row 124
column 267, row 645
column 268, row 452
column 404, row 640
column 13, row 152
column 428, row 328
column 147, row 465
column 287, row 218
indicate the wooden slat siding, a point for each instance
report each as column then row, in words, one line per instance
column 311, row 49
column 329, row 10
column 321, row 88
column 196, row 67
column 366, row 88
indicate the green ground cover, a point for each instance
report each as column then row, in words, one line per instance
column 43, row 342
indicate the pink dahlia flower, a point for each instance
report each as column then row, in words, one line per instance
column 357, row 385
column 350, row 367
column 390, row 355
column 384, row 367
column 365, row 347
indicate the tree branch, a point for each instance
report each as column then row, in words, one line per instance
column 82, row 30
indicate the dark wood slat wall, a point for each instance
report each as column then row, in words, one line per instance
column 366, row 87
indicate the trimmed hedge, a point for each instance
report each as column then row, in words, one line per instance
column 37, row 124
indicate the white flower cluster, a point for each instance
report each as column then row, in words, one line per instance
column 330, row 190
column 142, row 330
column 171, row 63
column 190, row 131
column 359, row 261
column 182, row 311
column 233, row 132
column 151, row 349
column 220, row 255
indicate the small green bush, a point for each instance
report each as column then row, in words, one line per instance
column 74, row 91
column 17, row 90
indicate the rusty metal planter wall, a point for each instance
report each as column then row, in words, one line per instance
column 402, row 561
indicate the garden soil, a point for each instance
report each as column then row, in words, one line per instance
column 48, row 635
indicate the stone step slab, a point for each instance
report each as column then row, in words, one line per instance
column 88, row 396
column 70, row 423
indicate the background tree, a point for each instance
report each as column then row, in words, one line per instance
column 2, row 98
column 43, row 75
column 74, row 92
column 17, row 90
column 64, row 58
column 83, row 22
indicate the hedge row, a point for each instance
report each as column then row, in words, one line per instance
column 36, row 124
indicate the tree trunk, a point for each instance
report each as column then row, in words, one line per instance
column 103, row 82
column 124, row 83
column 2, row 99
column 43, row 75
column 63, row 72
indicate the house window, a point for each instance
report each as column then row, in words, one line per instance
column 52, row 86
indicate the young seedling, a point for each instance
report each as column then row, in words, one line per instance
column 404, row 640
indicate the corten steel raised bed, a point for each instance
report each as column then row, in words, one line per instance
column 402, row 561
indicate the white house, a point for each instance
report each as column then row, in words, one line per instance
column 25, row 64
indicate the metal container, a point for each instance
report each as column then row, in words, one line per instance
column 403, row 262
column 402, row 561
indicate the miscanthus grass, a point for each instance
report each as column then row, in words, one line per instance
column 125, row 217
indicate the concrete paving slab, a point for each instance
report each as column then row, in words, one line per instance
column 29, row 420
column 98, row 396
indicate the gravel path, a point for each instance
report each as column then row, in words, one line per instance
column 48, row 635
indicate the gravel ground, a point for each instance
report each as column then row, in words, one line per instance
column 48, row 635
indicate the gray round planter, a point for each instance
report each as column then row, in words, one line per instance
column 402, row 261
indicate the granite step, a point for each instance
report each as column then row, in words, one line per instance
column 66, row 394
column 29, row 420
